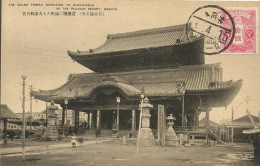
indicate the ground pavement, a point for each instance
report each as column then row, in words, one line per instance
column 113, row 152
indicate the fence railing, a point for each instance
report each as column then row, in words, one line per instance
column 188, row 128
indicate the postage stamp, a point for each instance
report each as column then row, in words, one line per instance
column 245, row 41
column 215, row 24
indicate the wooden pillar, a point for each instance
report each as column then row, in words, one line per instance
column 113, row 119
column 66, row 116
column 207, row 119
column 133, row 122
column 117, row 118
column 182, row 114
column 220, row 134
column 98, row 118
column 228, row 134
column 195, row 114
column 46, row 115
column 5, row 131
column 76, row 121
column 159, row 124
column 207, row 124
column 94, row 119
column 63, row 116
column 90, row 120
column 197, row 119
column 163, row 125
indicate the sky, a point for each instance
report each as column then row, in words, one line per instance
column 37, row 46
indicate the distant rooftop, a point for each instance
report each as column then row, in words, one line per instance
column 7, row 113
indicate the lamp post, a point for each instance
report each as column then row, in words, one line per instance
column 117, row 117
column 23, row 143
column 140, row 123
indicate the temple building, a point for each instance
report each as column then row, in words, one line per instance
column 165, row 64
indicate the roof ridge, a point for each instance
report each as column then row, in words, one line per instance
column 146, row 31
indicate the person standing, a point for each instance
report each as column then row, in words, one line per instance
column 12, row 135
column 70, row 130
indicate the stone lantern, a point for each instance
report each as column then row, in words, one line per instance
column 52, row 131
column 146, row 134
column 170, row 135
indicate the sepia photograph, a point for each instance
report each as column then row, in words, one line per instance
column 113, row 82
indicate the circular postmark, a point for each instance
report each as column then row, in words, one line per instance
column 215, row 24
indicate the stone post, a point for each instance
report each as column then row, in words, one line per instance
column 181, row 139
column 124, row 140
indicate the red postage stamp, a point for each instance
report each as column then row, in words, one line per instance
column 246, row 29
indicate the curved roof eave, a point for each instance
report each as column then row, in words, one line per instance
column 87, row 54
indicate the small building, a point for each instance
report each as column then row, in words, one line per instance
column 6, row 114
column 203, row 122
column 243, row 123
column 35, row 122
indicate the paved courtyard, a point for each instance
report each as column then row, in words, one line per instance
column 112, row 152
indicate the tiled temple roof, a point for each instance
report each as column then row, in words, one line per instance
column 144, row 39
column 7, row 113
column 155, row 82
column 202, row 123
column 245, row 122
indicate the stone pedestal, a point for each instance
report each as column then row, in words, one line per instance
column 52, row 131
column 170, row 135
column 114, row 133
column 146, row 135
column 171, row 138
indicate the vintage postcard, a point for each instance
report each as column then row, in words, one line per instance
column 130, row 82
